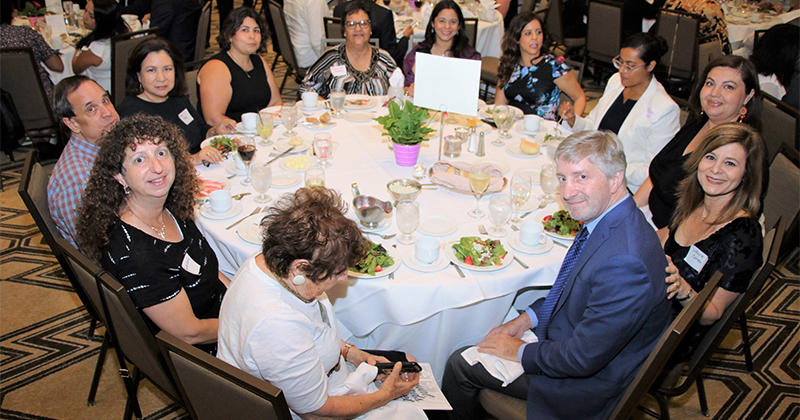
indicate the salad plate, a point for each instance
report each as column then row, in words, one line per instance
column 487, row 112
column 285, row 179
column 410, row 259
column 396, row 257
column 207, row 142
column 283, row 145
column 360, row 102
column 451, row 255
column 437, row 225
column 539, row 217
column 211, row 184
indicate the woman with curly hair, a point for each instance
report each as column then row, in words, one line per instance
column 529, row 77
column 136, row 219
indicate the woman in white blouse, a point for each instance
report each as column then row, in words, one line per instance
column 93, row 58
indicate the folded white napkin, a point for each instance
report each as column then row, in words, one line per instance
column 359, row 382
column 502, row 369
column 397, row 79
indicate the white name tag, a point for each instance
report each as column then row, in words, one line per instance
column 186, row 116
column 339, row 71
column 190, row 265
column 696, row 258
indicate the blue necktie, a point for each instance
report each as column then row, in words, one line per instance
column 549, row 304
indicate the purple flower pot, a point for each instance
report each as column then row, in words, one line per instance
column 406, row 155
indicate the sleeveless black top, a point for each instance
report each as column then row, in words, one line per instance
column 251, row 91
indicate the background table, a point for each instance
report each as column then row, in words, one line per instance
column 490, row 34
column 740, row 35
column 426, row 314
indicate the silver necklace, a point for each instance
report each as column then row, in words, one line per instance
column 161, row 233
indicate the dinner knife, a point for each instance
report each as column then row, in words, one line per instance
column 525, row 266
column 283, row 153
column 256, row 211
column 460, row 273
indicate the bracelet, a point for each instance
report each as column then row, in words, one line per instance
column 687, row 297
column 345, row 350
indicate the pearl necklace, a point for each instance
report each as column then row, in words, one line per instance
column 161, row 233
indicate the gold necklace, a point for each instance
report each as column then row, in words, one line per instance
column 161, row 233
column 297, row 295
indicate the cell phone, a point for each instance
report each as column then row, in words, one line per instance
column 407, row 367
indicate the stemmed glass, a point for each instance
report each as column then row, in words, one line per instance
column 315, row 177
column 322, row 148
column 479, row 183
column 499, row 213
column 337, row 102
column 407, row 221
column 503, row 117
column 262, row 179
column 520, row 191
column 264, row 127
column 246, row 148
column 289, row 119
column 549, row 182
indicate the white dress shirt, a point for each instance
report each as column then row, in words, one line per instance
column 306, row 28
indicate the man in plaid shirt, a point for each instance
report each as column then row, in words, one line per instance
column 86, row 109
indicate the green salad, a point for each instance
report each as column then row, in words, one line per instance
column 224, row 144
column 375, row 260
column 562, row 224
column 548, row 137
column 473, row 250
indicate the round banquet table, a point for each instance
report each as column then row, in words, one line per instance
column 428, row 315
column 741, row 32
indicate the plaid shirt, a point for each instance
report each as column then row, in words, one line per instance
column 65, row 189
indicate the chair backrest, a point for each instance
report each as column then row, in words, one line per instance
column 213, row 389
column 669, row 341
column 709, row 48
column 680, row 30
column 783, row 195
column 121, row 47
column 554, row 25
column 604, row 30
column 527, row 6
column 471, row 25
column 132, row 336
column 333, row 27
column 21, row 79
column 781, row 124
column 281, row 30
column 202, row 32
column 86, row 272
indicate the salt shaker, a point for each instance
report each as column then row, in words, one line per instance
column 481, row 147
column 473, row 141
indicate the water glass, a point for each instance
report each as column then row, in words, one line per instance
column 499, row 213
column 549, row 182
column 407, row 221
column 322, row 148
column 520, row 192
column 264, row 127
column 289, row 119
column 315, row 177
column 262, row 179
column 337, row 102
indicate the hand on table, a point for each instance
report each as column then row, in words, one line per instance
column 208, row 154
column 501, row 345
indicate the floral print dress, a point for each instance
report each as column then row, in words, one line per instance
column 533, row 89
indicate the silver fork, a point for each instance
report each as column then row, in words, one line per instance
column 381, row 236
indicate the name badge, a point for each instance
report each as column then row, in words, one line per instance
column 339, row 71
column 186, row 116
column 190, row 265
column 696, row 258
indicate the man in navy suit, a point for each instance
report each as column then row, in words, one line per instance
column 607, row 309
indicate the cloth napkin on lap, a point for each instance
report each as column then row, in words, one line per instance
column 502, row 369
column 461, row 183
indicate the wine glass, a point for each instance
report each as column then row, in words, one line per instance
column 337, row 102
column 262, row 179
column 479, row 183
column 407, row 221
column 549, row 182
column 499, row 213
column 315, row 177
column 503, row 117
column 246, row 148
column 264, row 127
column 322, row 148
column 289, row 119
column 520, row 191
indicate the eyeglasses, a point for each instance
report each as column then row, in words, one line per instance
column 360, row 23
column 621, row 65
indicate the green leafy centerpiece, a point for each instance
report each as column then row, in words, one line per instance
column 406, row 127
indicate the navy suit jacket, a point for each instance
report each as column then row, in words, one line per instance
column 608, row 319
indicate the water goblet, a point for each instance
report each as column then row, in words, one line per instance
column 264, row 127
column 503, row 117
column 520, row 191
column 289, row 119
column 499, row 213
column 246, row 147
column 479, row 183
column 549, row 182
column 262, row 179
column 407, row 221
column 315, row 177
column 337, row 102
column 322, row 148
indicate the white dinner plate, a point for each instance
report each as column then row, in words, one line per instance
column 398, row 260
column 285, row 179
column 451, row 255
column 318, row 126
column 240, row 129
column 534, row 175
column 504, row 167
column 518, row 246
column 309, row 164
column 512, row 147
column 230, row 167
column 437, row 225
column 207, row 142
column 489, row 116
column 250, row 229
column 236, row 208
column 410, row 259
column 371, row 101
column 208, row 186
column 283, row 145
column 359, row 116
column 539, row 217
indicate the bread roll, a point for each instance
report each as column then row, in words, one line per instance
column 528, row 147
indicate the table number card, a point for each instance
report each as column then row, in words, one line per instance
column 446, row 83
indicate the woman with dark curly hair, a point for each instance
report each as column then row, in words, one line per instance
column 136, row 219
column 237, row 80
column 155, row 84
column 529, row 77
column 93, row 56
column 288, row 333
column 445, row 36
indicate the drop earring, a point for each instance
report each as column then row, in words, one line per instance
column 742, row 114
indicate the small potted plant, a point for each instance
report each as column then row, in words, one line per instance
column 406, row 127
column 33, row 11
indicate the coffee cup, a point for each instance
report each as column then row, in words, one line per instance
column 220, row 201
column 250, row 121
column 310, row 99
column 532, row 123
column 532, row 234
column 426, row 250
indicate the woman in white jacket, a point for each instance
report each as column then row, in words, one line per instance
column 634, row 106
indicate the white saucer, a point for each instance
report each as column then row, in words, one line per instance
column 285, row 179
column 250, row 229
column 240, row 129
column 515, row 243
column 359, row 116
column 512, row 147
column 230, row 167
column 383, row 225
column 413, row 263
column 520, row 127
column 283, row 145
column 437, row 225
column 236, row 208
column 318, row 126
column 320, row 105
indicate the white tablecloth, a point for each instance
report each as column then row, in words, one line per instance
column 490, row 35
column 741, row 34
column 426, row 314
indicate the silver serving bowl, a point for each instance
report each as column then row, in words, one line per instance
column 370, row 211
column 404, row 184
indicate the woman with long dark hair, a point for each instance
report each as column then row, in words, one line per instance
column 93, row 58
